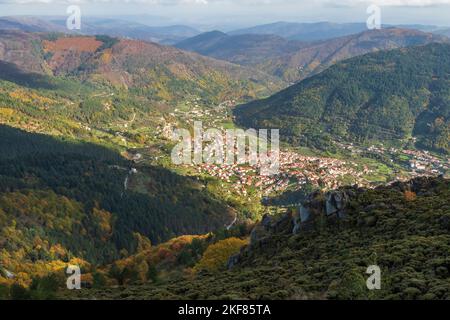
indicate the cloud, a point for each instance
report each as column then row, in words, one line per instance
column 155, row 2
column 390, row 3
column 327, row 3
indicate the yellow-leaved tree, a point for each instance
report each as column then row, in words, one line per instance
column 216, row 255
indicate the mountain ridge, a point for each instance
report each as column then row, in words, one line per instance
column 114, row 27
column 293, row 60
column 133, row 63
column 245, row 49
column 305, row 31
column 389, row 95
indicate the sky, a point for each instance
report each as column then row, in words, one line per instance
column 240, row 13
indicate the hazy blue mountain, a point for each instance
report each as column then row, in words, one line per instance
column 246, row 49
column 106, row 26
column 445, row 32
column 305, row 31
column 133, row 30
column 29, row 24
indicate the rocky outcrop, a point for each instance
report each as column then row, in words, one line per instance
column 313, row 210
column 321, row 209
column 336, row 202
column 300, row 220
column 318, row 207
column 234, row 261
column 261, row 231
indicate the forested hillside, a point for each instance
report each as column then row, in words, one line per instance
column 61, row 198
column 387, row 96
column 160, row 74
column 316, row 57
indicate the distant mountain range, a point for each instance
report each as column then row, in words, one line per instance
column 294, row 60
column 96, row 26
column 245, row 49
column 305, row 31
column 319, row 56
column 385, row 96
column 158, row 29
column 29, row 24
column 317, row 31
column 134, row 30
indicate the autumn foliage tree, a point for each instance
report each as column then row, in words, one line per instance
column 216, row 255
column 410, row 196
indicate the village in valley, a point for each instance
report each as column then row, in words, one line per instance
column 294, row 172
column 415, row 162
column 357, row 165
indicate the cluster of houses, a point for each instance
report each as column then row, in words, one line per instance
column 214, row 117
column 424, row 163
column 420, row 162
column 295, row 171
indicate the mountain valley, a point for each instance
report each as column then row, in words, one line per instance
column 87, row 178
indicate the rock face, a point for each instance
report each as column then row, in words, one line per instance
column 268, row 226
column 319, row 207
column 336, row 202
column 301, row 219
column 233, row 261
column 261, row 231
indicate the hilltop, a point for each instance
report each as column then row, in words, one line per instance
column 305, row 31
column 316, row 57
column 245, row 49
column 293, row 60
column 160, row 73
column 114, row 27
column 387, row 96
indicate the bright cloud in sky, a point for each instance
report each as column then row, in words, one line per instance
column 245, row 11
column 250, row 2
column 415, row 3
